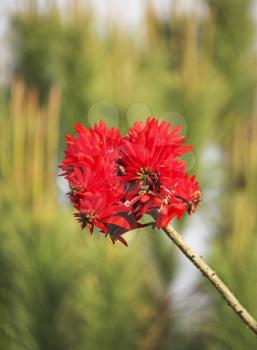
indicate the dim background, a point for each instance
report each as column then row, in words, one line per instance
column 62, row 62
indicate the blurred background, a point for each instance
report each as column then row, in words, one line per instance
column 63, row 62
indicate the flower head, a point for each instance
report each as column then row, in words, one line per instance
column 114, row 181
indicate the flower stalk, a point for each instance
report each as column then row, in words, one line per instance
column 212, row 276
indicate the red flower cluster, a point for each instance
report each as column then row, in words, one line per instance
column 115, row 180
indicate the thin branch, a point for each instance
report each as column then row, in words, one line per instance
column 211, row 275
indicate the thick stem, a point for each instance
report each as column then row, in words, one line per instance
column 213, row 278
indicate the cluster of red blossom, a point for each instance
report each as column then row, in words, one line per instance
column 115, row 180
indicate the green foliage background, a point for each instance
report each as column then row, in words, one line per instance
column 61, row 288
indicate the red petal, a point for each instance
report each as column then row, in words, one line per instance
column 101, row 226
column 118, row 221
column 121, row 239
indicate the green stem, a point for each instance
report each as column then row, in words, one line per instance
column 211, row 275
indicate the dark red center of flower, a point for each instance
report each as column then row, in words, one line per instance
column 149, row 181
column 87, row 219
column 77, row 188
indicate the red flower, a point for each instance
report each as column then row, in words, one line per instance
column 97, row 142
column 90, row 160
column 114, row 181
column 154, row 175
column 91, row 170
column 149, row 156
column 186, row 196
column 101, row 210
